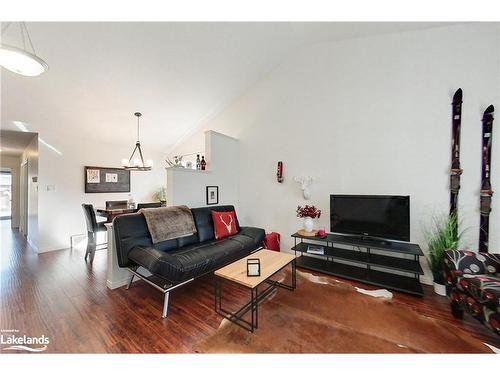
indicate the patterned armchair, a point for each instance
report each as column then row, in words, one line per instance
column 473, row 284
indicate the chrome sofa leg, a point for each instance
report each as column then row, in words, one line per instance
column 165, row 288
column 165, row 305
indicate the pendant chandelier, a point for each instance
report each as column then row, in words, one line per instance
column 20, row 60
column 137, row 163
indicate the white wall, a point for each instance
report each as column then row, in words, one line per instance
column 13, row 163
column 30, row 156
column 368, row 116
column 185, row 186
column 60, row 211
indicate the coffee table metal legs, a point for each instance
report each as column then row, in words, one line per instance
column 253, row 304
column 237, row 317
column 255, row 308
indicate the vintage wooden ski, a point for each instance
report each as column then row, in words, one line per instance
column 486, row 191
column 455, row 170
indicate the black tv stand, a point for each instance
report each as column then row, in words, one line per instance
column 368, row 240
column 360, row 263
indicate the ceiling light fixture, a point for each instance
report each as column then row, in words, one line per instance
column 20, row 60
column 137, row 163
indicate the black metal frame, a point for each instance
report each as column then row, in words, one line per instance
column 368, row 266
column 116, row 187
column 217, row 190
column 92, row 245
column 252, row 261
column 167, row 285
column 255, row 298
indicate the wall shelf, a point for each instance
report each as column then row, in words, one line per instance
column 187, row 170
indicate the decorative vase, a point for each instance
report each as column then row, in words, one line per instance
column 308, row 224
column 439, row 289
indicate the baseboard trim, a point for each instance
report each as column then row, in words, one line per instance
column 41, row 251
column 119, row 283
column 116, row 284
column 32, row 245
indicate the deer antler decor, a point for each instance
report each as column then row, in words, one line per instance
column 176, row 163
column 305, row 185
column 228, row 226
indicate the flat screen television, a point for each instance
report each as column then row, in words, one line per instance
column 375, row 216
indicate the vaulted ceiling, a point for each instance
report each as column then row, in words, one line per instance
column 177, row 74
column 13, row 143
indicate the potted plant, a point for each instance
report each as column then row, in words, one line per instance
column 443, row 236
column 308, row 213
column 161, row 195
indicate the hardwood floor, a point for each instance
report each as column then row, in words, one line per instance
column 57, row 294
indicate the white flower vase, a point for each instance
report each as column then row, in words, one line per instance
column 308, row 224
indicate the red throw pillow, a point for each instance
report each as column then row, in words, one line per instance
column 271, row 241
column 224, row 224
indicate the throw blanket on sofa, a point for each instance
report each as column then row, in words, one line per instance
column 166, row 223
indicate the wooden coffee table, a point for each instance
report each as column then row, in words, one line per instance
column 271, row 262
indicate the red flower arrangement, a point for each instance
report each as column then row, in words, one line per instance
column 308, row 211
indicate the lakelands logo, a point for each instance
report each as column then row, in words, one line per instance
column 11, row 340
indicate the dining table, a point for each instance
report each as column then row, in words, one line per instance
column 111, row 213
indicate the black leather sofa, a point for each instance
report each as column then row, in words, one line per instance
column 175, row 262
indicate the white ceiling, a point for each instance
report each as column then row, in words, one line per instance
column 13, row 143
column 177, row 74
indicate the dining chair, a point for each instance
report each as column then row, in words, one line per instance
column 93, row 227
column 148, row 205
column 116, row 204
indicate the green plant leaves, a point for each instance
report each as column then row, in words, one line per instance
column 443, row 236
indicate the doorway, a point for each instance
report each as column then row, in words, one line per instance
column 5, row 194
column 23, row 217
column 19, row 190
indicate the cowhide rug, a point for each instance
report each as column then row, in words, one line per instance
column 327, row 316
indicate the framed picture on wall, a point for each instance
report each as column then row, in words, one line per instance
column 107, row 180
column 93, row 176
column 212, row 195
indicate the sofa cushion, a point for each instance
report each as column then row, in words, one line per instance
column 131, row 230
column 187, row 240
column 244, row 240
column 224, row 224
column 492, row 319
column 485, row 289
column 204, row 223
column 190, row 261
column 471, row 262
column 255, row 234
